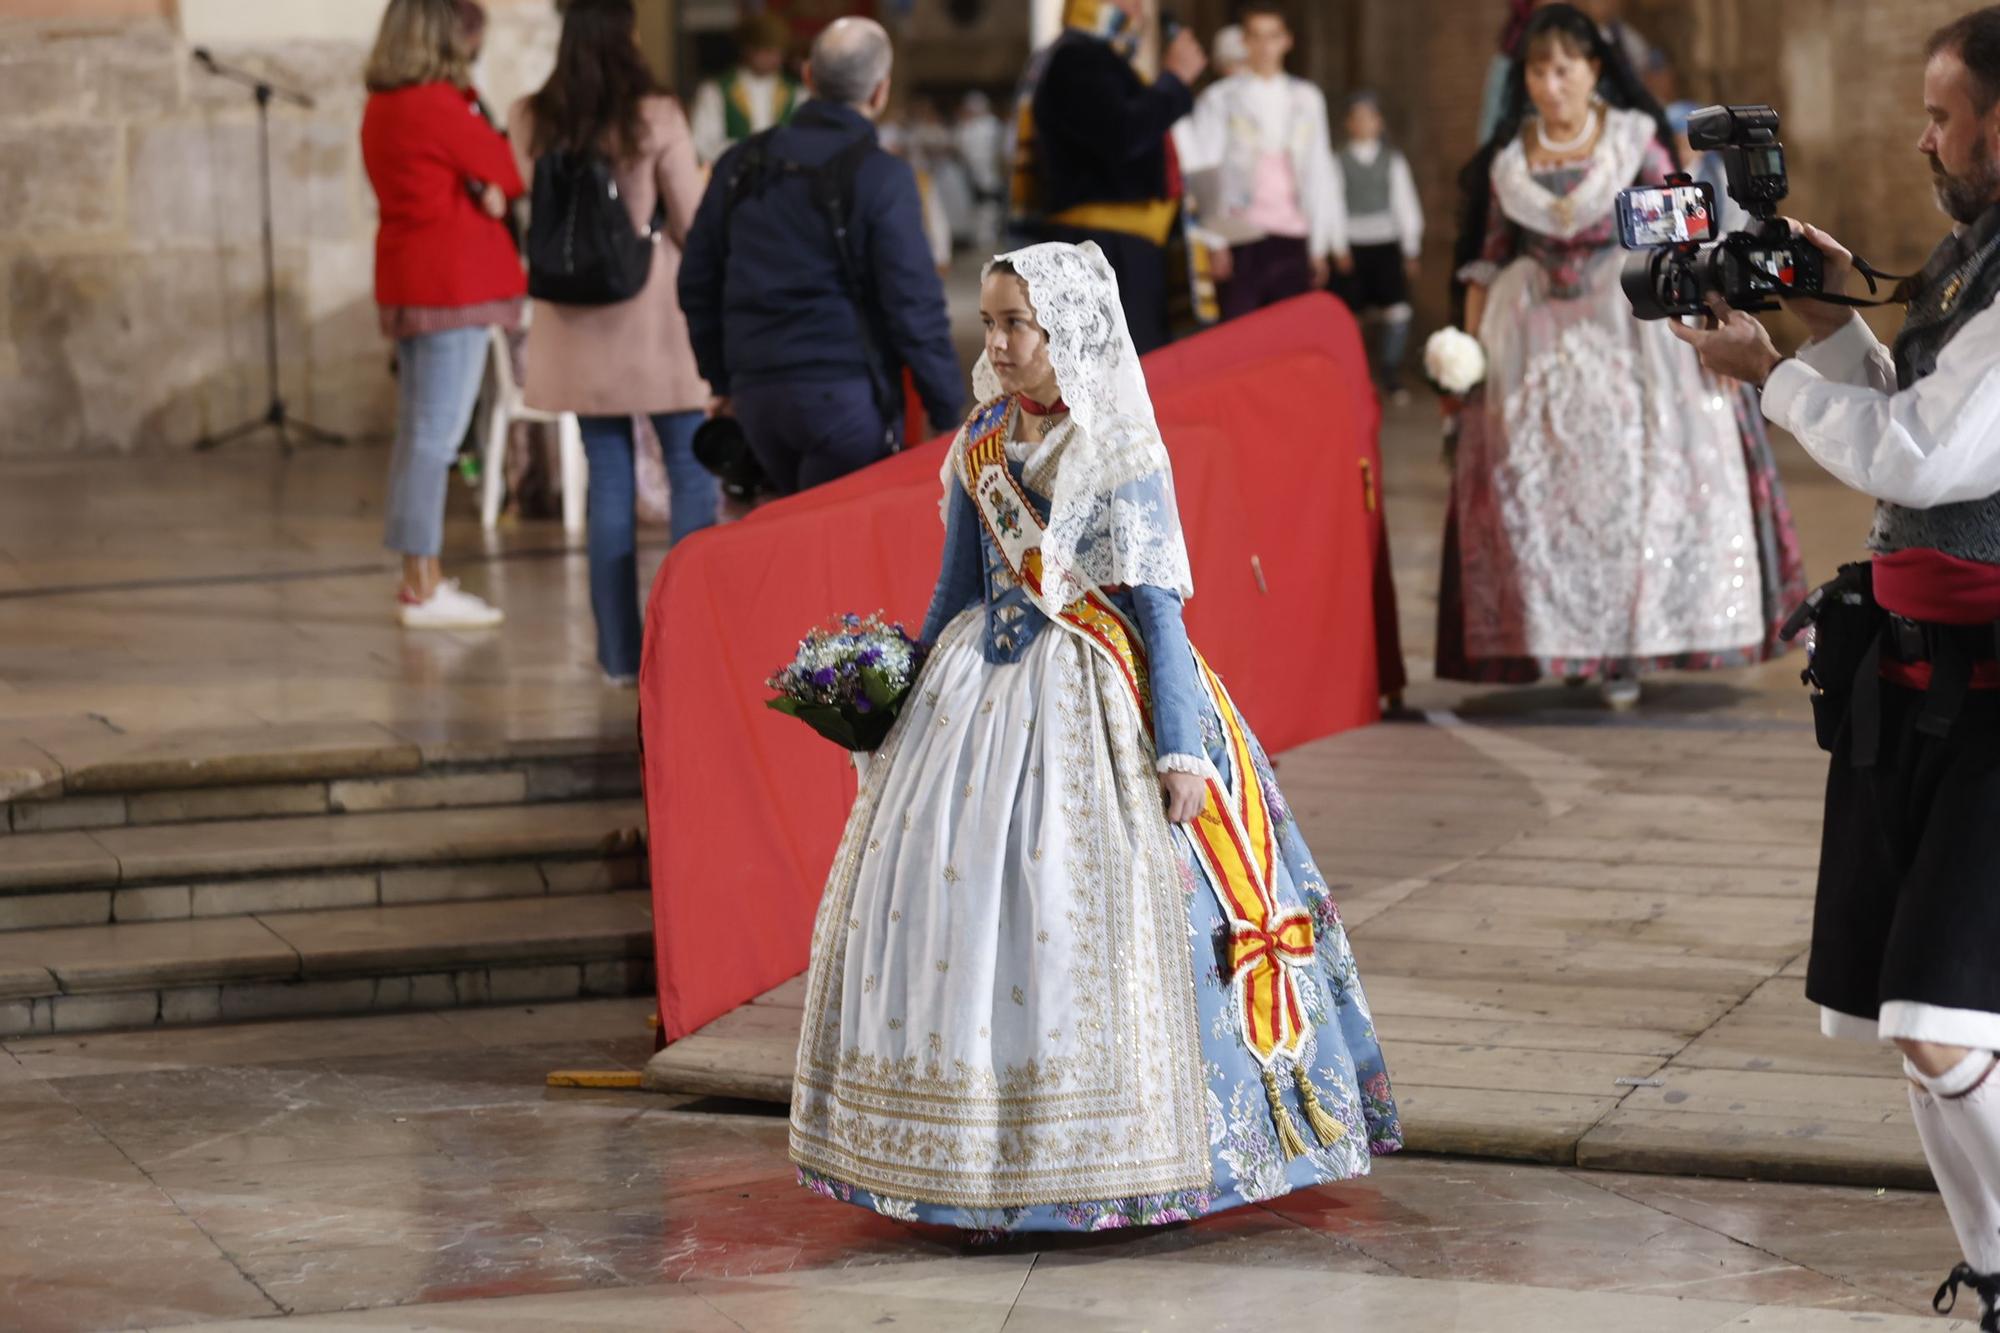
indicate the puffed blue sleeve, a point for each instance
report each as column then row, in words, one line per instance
column 1177, row 693
column 959, row 582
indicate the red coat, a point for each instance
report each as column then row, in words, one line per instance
column 435, row 245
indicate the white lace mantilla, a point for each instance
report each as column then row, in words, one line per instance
column 1614, row 163
column 1113, row 518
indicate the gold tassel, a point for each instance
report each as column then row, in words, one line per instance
column 1288, row 1133
column 1324, row 1127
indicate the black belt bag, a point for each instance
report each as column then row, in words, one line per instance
column 1852, row 636
column 1845, row 654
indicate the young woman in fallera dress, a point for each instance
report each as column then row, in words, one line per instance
column 1074, row 967
column 1615, row 509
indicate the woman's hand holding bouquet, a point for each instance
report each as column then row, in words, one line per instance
column 848, row 680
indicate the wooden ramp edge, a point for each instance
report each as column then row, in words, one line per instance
column 746, row 1054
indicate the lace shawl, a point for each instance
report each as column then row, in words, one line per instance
column 1113, row 519
column 1614, row 164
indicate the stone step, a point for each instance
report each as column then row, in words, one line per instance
column 350, row 960
column 326, row 781
column 240, row 867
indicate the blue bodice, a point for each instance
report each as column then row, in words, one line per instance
column 974, row 571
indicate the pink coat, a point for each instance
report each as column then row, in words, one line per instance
column 633, row 357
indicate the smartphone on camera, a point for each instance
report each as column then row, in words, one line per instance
column 1650, row 216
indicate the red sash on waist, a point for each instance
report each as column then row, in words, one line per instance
column 1922, row 584
column 1917, row 675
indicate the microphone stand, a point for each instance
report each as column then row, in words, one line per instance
column 276, row 418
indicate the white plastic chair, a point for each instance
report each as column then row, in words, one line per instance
column 503, row 410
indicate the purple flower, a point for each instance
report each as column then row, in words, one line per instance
column 823, row 677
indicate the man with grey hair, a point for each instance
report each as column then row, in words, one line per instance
column 807, row 280
column 850, row 64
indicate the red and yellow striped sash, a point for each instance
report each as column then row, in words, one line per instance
column 1234, row 838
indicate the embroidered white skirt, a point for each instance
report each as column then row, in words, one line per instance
column 1009, row 1021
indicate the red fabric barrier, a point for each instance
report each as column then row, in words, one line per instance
column 1272, row 425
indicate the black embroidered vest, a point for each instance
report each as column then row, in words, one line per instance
column 1961, row 279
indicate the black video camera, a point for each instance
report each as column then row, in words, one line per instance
column 1681, row 261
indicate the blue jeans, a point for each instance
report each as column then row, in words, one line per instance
column 437, row 386
column 807, row 433
column 614, row 547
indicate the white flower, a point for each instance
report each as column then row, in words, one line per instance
column 1454, row 360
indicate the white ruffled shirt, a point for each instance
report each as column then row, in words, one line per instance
column 1934, row 443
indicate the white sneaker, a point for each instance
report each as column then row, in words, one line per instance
column 449, row 607
column 1621, row 693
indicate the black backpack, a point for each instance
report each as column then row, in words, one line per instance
column 581, row 246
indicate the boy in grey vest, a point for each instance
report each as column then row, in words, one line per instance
column 1385, row 236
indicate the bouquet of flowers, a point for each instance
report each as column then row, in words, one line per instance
column 1454, row 362
column 848, row 680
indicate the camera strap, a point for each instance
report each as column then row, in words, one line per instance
column 1900, row 294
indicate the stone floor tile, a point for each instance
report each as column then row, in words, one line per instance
column 579, row 732
column 22, row 979
column 434, row 884
column 50, row 911
column 1136, row 1294
column 74, row 812
column 151, row 954
column 255, row 801
column 428, row 791
column 50, row 860
column 273, row 846
column 974, row 1294
column 212, row 1115
column 52, row 1291
column 1794, row 1146
column 1883, row 1243
column 480, row 1078
column 337, row 1201
column 595, row 875
column 637, row 1310
column 298, row 1041
column 218, row 755
column 169, row 902
column 583, row 1020
column 290, row 893
column 292, row 998
column 26, row 770
column 427, row 935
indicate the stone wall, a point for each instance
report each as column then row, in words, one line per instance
column 130, row 275
column 131, row 271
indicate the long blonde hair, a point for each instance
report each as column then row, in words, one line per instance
column 420, row 41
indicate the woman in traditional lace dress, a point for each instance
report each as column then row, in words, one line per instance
column 1074, row 967
column 1615, row 510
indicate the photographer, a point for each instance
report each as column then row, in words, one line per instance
column 1905, row 661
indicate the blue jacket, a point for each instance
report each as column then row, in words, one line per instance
column 768, row 301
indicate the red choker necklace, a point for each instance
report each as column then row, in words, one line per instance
column 1035, row 409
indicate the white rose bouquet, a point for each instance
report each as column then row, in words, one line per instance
column 1454, row 362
